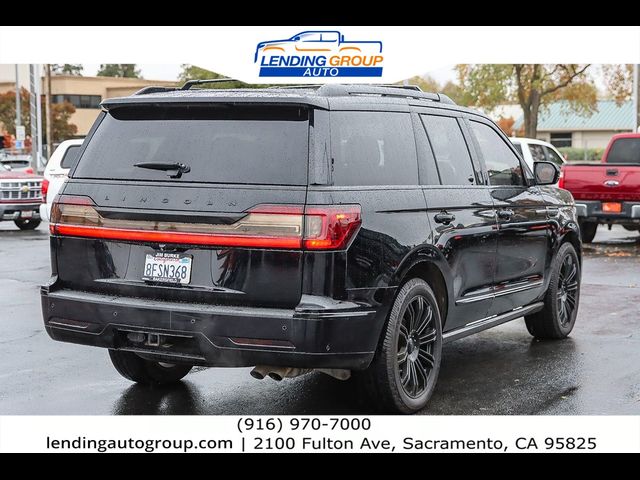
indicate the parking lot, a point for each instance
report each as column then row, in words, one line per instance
column 501, row 371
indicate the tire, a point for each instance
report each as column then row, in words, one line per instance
column 146, row 372
column 588, row 231
column 27, row 224
column 557, row 318
column 403, row 374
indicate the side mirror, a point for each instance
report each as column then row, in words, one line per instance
column 8, row 167
column 546, row 173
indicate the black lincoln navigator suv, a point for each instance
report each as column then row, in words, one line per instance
column 350, row 229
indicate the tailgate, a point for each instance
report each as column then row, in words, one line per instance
column 223, row 217
column 603, row 182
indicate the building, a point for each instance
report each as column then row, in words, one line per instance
column 562, row 127
column 85, row 93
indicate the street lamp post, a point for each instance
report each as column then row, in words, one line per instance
column 18, row 106
column 636, row 99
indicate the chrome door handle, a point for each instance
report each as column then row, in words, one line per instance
column 505, row 214
column 444, row 218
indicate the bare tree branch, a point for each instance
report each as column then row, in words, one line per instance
column 567, row 81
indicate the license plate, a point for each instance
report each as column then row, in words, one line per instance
column 611, row 207
column 167, row 268
column 26, row 214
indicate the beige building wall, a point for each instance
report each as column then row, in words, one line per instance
column 593, row 139
column 544, row 136
column 105, row 87
column 586, row 138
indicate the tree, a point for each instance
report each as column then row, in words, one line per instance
column 425, row 82
column 61, row 113
column 75, row 69
column 532, row 86
column 430, row 84
column 619, row 81
column 193, row 72
column 453, row 91
column 506, row 125
column 8, row 109
column 124, row 70
column 61, row 127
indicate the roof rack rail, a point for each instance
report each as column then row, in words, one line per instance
column 190, row 83
column 155, row 89
column 302, row 85
column 383, row 90
column 406, row 87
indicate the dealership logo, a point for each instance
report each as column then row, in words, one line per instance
column 319, row 54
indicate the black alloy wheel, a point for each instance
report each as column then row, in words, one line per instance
column 405, row 368
column 567, row 290
column 558, row 315
column 416, row 341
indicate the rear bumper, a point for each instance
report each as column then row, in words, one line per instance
column 592, row 210
column 214, row 335
column 12, row 211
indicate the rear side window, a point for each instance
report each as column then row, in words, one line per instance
column 552, row 156
column 224, row 144
column 537, row 153
column 70, row 157
column 518, row 148
column 373, row 148
column 625, row 150
column 450, row 150
column 502, row 164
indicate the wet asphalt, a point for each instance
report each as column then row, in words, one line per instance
column 501, row 371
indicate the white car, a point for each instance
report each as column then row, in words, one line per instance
column 63, row 159
column 533, row 150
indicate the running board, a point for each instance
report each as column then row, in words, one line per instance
column 490, row 322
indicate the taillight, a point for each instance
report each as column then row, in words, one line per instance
column 330, row 228
column 561, row 179
column 264, row 226
column 45, row 189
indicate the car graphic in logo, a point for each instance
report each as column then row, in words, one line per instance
column 611, row 183
column 319, row 54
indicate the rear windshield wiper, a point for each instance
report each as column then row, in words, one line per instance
column 176, row 168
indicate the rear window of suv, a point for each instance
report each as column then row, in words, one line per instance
column 221, row 144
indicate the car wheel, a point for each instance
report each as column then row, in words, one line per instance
column 557, row 318
column 405, row 369
column 146, row 372
column 588, row 231
column 27, row 224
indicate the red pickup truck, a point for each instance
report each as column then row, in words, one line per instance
column 609, row 192
column 20, row 198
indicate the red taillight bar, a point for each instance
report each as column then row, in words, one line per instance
column 44, row 189
column 176, row 237
column 264, row 226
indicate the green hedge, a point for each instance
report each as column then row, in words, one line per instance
column 582, row 154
